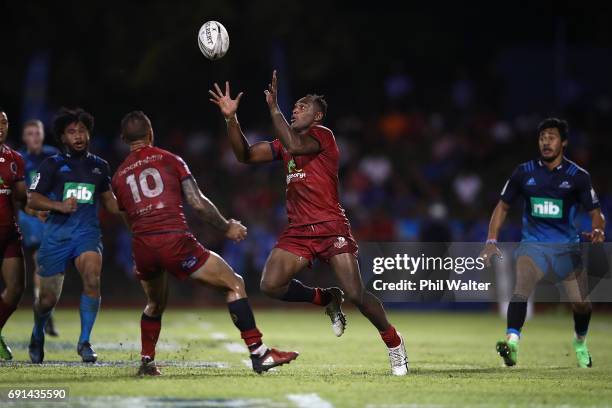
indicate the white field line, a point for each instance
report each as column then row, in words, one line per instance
column 309, row 401
column 218, row 336
column 235, row 348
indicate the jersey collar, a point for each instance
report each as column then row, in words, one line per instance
column 559, row 167
column 71, row 156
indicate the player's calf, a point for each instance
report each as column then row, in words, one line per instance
column 6, row 310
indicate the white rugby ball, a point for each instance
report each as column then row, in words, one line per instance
column 213, row 40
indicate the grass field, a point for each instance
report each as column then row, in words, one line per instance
column 452, row 360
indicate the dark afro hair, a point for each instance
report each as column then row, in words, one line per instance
column 67, row 116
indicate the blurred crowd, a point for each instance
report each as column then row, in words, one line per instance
column 431, row 118
column 406, row 174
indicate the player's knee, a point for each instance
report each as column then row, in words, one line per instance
column 237, row 285
column 46, row 301
column 582, row 307
column 355, row 296
column 272, row 290
column 519, row 298
column 155, row 308
column 14, row 294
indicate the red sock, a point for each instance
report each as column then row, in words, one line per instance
column 5, row 312
column 321, row 297
column 149, row 333
column 252, row 338
column 390, row 337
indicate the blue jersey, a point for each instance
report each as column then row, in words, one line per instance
column 32, row 161
column 552, row 199
column 63, row 176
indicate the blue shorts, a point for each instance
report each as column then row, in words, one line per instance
column 55, row 255
column 31, row 230
column 560, row 259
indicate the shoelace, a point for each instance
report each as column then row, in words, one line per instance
column 397, row 357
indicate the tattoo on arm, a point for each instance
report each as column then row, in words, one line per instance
column 203, row 206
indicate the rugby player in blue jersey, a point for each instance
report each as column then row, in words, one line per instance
column 553, row 188
column 71, row 186
column 34, row 152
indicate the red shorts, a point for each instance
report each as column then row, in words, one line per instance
column 322, row 241
column 178, row 253
column 10, row 243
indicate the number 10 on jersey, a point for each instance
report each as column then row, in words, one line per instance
column 149, row 189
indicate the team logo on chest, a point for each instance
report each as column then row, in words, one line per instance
column 546, row 207
column 3, row 189
column 293, row 172
column 565, row 184
column 83, row 192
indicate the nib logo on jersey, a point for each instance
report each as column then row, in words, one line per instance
column 83, row 192
column 546, row 207
column 293, row 172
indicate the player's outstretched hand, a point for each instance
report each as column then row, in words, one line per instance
column 490, row 251
column 595, row 236
column 68, row 206
column 236, row 231
column 272, row 92
column 226, row 104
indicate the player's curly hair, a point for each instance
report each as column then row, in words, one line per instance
column 556, row 123
column 320, row 103
column 67, row 116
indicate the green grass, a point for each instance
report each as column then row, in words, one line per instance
column 452, row 359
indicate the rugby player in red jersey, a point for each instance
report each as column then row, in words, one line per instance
column 318, row 227
column 12, row 190
column 149, row 185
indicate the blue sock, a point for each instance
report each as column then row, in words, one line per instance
column 88, row 310
column 40, row 321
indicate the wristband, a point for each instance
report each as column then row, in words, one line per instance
column 491, row 241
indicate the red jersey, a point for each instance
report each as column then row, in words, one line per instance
column 12, row 171
column 312, row 181
column 148, row 187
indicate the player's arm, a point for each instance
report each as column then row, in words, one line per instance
column 497, row 220
column 260, row 152
column 19, row 195
column 590, row 202
column 295, row 143
column 109, row 202
column 42, row 184
column 510, row 191
column 40, row 202
column 598, row 226
column 209, row 213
